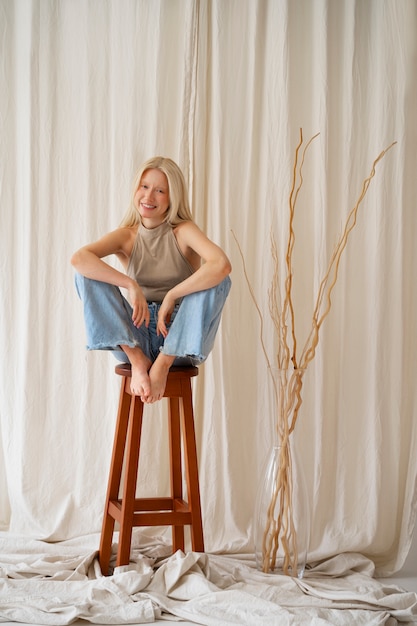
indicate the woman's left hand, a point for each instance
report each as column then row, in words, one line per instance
column 164, row 315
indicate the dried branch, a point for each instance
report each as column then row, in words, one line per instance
column 287, row 385
column 330, row 278
column 252, row 293
column 288, row 303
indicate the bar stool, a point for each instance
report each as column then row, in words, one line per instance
column 122, row 505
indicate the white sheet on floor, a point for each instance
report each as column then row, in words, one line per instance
column 56, row 584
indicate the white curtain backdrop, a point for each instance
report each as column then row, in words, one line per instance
column 89, row 90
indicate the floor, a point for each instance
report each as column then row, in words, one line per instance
column 406, row 579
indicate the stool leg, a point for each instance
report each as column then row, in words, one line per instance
column 114, row 477
column 178, row 541
column 130, row 481
column 191, row 467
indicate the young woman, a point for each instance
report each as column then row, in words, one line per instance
column 176, row 280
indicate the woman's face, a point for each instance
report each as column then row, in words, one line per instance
column 152, row 197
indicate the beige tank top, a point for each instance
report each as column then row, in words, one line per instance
column 156, row 262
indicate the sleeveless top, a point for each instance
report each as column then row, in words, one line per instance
column 157, row 263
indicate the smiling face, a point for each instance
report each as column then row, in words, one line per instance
column 152, row 198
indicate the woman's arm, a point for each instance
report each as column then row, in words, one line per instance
column 215, row 267
column 88, row 259
column 88, row 262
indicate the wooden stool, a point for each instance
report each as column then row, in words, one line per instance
column 130, row 511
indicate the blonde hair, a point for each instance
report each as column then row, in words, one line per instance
column 179, row 207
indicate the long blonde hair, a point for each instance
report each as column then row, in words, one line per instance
column 179, row 207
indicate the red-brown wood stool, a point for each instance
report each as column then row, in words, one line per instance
column 122, row 505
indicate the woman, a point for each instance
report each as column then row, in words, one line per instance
column 176, row 280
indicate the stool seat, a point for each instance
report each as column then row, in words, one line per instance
column 121, row 503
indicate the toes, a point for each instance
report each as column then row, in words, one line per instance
column 151, row 399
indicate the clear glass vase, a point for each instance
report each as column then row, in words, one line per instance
column 282, row 511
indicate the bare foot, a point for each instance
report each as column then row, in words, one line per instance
column 158, row 375
column 140, row 384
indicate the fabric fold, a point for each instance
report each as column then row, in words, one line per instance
column 56, row 586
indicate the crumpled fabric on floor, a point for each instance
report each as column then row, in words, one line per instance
column 57, row 584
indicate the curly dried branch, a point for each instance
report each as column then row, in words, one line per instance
column 288, row 302
column 287, row 386
column 330, row 278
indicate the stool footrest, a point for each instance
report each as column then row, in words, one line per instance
column 155, row 512
column 146, row 505
column 162, row 504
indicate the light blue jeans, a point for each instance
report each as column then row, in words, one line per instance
column 193, row 326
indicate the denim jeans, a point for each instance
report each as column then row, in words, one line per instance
column 192, row 329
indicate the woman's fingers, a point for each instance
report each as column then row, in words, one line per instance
column 140, row 315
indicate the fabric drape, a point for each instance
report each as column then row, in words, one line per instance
column 88, row 91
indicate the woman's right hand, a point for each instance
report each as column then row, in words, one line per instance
column 88, row 261
column 139, row 304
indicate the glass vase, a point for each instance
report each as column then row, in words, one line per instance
column 282, row 512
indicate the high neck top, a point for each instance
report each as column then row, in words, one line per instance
column 156, row 262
